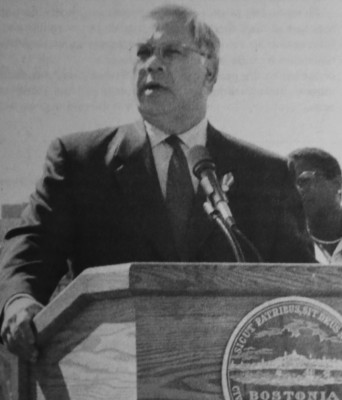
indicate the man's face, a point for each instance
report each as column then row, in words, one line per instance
column 318, row 193
column 170, row 74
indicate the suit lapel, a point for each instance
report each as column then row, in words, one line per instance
column 137, row 177
column 201, row 226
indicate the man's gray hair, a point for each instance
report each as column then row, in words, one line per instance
column 203, row 35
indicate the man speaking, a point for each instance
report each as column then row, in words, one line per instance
column 127, row 193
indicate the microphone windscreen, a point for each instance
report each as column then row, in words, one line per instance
column 200, row 160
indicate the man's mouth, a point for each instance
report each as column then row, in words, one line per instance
column 152, row 86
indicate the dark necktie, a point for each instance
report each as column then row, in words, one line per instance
column 179, row 195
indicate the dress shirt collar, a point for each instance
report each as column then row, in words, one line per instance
column 323, row 257
column 197, row 135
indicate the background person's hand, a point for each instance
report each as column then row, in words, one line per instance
column 17, row 330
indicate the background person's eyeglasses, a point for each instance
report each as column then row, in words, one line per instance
column 165, row 51
column 307, row 179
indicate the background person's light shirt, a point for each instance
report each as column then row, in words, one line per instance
column 323, row 257
column 162, row 151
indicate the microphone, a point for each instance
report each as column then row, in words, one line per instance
column 203, row 167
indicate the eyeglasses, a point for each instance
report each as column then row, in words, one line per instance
column 307, row 179
column 167, row 52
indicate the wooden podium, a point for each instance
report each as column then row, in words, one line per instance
column 156, row 331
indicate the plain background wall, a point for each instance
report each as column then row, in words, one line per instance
column 64, row 67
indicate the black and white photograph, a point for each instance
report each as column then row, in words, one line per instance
column 170, row 200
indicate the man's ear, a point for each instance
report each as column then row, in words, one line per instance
column 337, row 181
column 211, row 69
column 338, row 184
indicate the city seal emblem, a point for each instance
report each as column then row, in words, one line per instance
column 288, row 348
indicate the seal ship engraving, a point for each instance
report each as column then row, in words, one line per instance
column 286, row 349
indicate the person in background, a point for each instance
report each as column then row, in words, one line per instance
column 318, row 179
column 126, row 193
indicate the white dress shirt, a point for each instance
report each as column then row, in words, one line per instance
column 323, row 257
column 162, row 151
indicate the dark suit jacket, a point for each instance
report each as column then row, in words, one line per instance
column 99, row 202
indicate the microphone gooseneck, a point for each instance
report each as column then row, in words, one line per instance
column 203, row 167
column 216, row 206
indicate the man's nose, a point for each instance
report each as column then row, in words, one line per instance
column 154, row 63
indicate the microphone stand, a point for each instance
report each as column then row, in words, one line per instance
column 219, row 211
column 216, row 204
column 226, row 229
column 251, row 246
